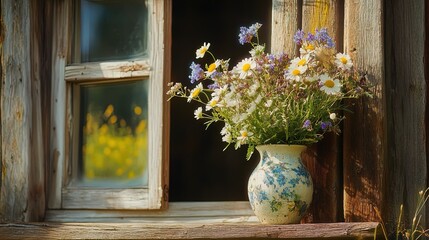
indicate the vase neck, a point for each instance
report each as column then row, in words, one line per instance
column 283, row 153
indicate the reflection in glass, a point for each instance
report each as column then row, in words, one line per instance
column 113, row 30
column 113, row 134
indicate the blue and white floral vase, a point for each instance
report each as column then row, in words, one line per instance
column 280, row 188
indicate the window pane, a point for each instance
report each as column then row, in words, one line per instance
column 113, row 134
column 112, row 30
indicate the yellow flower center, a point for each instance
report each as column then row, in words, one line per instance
column 296, row 72
column 246, row 67
column 329, row 83
column 343, row 60
column 203, row 50
column 196, row 92
column 309, row 47
column 244, row 134
column 212, row 67
column 302, row 62
column 213, row 103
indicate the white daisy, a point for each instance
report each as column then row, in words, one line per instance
column 329, row 85
column 202, row 50
column 195, row 92
column 212, row 68
column 244, row 136
column 307, row 48
column 244, row 67
column 300, row 61
column 198, row 113
column 212, row 103
column 295, row 72
column 333, row 116
column 343, row 61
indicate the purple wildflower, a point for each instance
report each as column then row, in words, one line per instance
column 310, row 37
column 323, row 36
column 246, row 34
column 197, row 72
column 299, row 36
column 307, row 125
column 213, row 86
column 325, row 125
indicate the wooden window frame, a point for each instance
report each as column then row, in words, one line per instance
column 67, row 76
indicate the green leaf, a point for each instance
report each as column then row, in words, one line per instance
column 250, row 151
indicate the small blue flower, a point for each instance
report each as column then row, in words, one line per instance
column 197, row 72
column 307, row 125
column 299, row 36
column 285, row 194
column 325, row 125
column 246, row 34
column 262, row 196
column 268, row 180
column 310, row 37
column 213, row 86
column 323, row 36
column 281, row 180
column 294, row 181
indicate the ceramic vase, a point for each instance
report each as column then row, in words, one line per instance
column 280, row 188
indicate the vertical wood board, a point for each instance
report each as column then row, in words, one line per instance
column 286, row 20
column 365, row 129
column 61, row 30
column 406, row 105
column 323, row 159
column 16, row 112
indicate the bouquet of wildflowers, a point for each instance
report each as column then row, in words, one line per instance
column 273, row 98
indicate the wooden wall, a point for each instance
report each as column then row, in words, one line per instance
column 22, row 196
column 348, row 170
column 379, row 161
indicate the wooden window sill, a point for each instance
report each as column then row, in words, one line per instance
column 165, row 230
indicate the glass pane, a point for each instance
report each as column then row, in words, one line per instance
column 113, row 29
column 113, row 134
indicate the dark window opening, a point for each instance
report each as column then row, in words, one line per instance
column 199, row 168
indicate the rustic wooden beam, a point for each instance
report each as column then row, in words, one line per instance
column 286, row 19
column 323, row 159
column 22, row 185
column 364, row 138
column 186, row 231
column 406, row 94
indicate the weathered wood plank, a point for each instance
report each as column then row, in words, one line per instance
column 364, row 140
column 37, row 164
column 186, row 231
column 323, row 159
column 206, row 211
column 406, row 95
column 286, row 19
column 21, row 155
column 87, row 72
column 60, row 47
column 165, row 169
column 79, row 198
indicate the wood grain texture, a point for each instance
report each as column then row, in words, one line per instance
column 323, row 159
column 16, row 111
column 186, row 231
column 406, row 94
column 60, row 47
column 37, row 164
column 185, row 211
column 286, row 20
column 79, row 198
column 89, row 72
column 364, row 151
